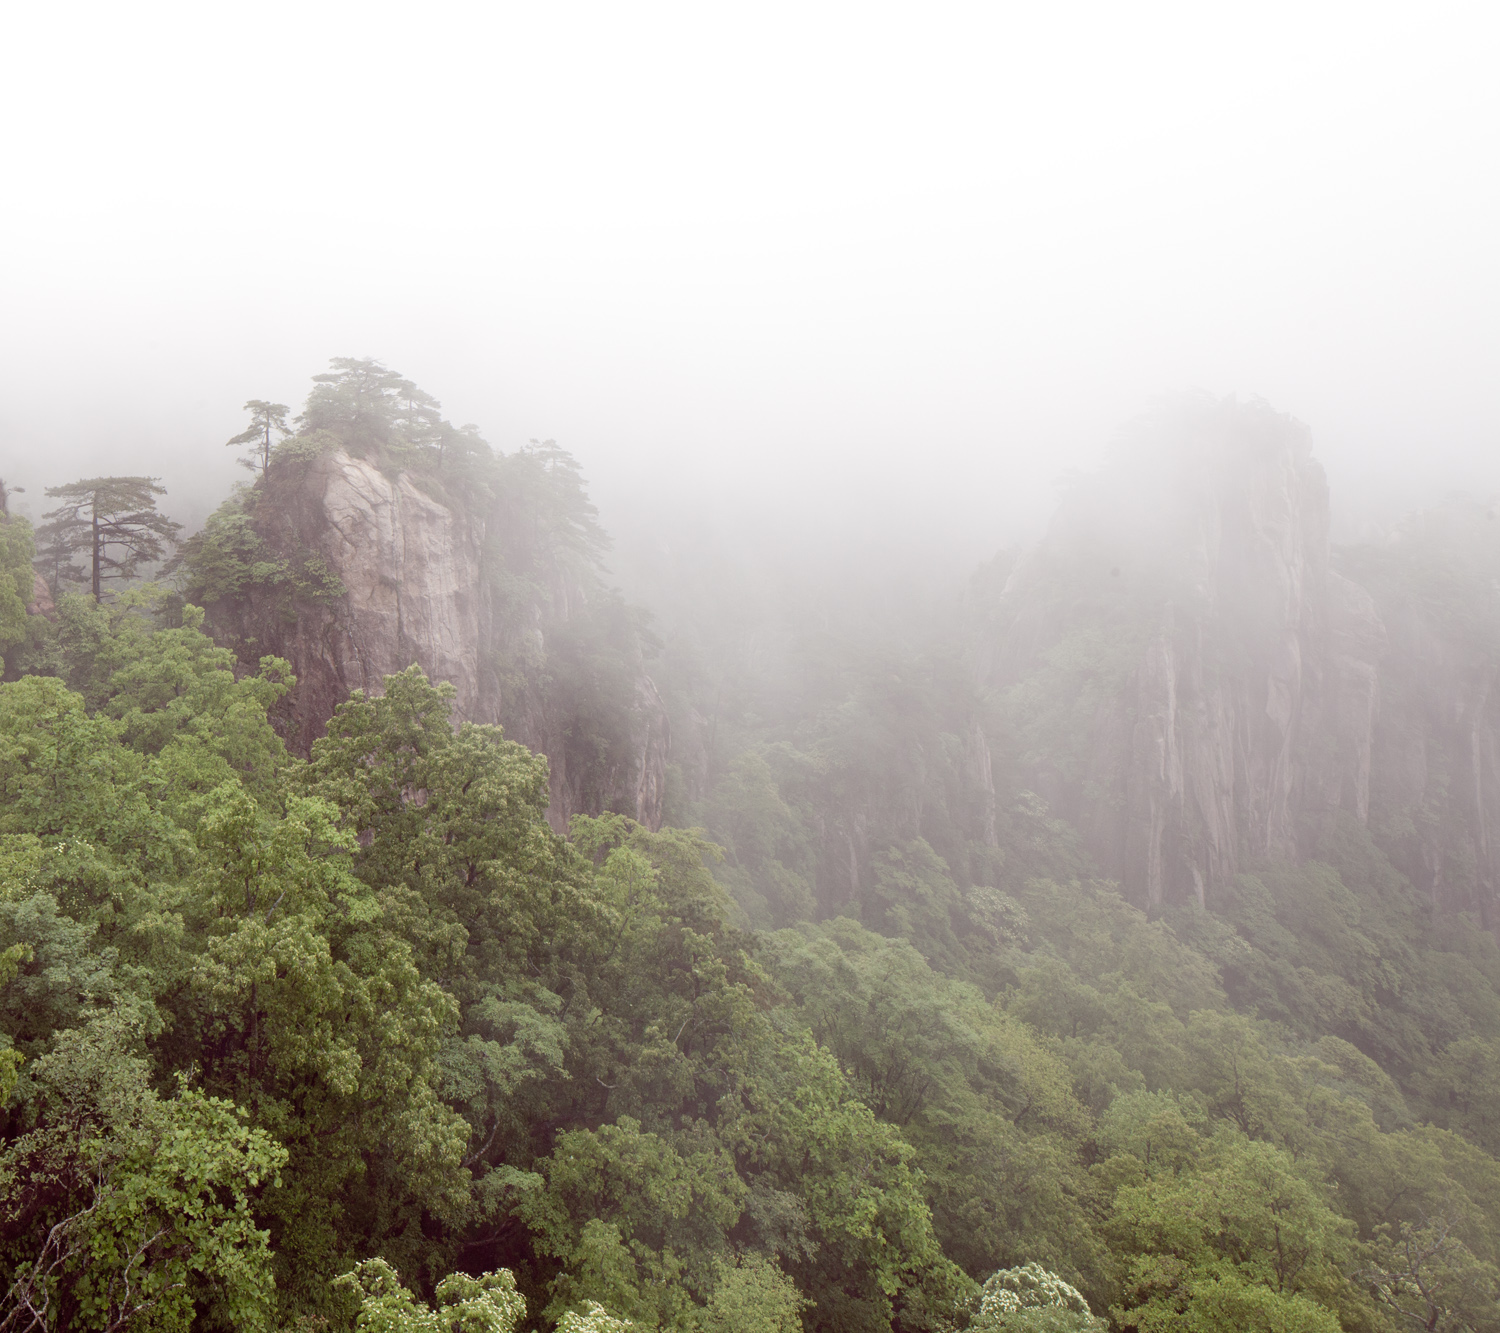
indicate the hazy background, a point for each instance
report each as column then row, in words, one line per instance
column 885, row 271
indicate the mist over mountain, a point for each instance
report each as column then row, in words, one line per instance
column 431, row 900
column 767, row 256
column 862, row 701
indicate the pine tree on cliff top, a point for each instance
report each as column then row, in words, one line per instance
column 369, row 406
column 265, row 419
column 366, row 404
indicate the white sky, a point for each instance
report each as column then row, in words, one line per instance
column 845, row 259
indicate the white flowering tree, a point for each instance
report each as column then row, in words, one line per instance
column 488, row 1304
column 594, row 1319
column 1031, row 1299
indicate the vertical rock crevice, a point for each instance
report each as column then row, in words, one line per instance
column 1187, row 591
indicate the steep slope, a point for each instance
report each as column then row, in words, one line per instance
column 1182, row 673
column 1435, row 785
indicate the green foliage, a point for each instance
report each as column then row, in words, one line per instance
column 753, row 1293
column 375, row 412
column 1241, row 1237
column 541, row 492
column 229, row 559
column 17, row 548
column 1425, row 1275
column 489, row 1303
column 990, row 1109
column 646, row 1203
column 121, row 1208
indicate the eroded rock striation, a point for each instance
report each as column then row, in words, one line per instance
column 1186, row 677
column 1435, row 772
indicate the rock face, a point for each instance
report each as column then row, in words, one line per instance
column 41, row 599
column 391, row 575
column 1187, row 676
column 411, row 570
column 1435, row 773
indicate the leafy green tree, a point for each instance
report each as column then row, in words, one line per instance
column 998, row 1133
column 64, row 771
column 374, row 411
column 357, row 399
column 17, row 548
column 1245, row 1239
column 229, row 559
column 267, row 423
column 307, row 1011
column 416, row 418
column 620, row 1210
column 467, row 860
column 1151, row 1134
column 120, row 1209
column 112, row 523
column 179, row 699
column 550, row 520
column 59, row 970
column 873, row 1251
column 1429, row 1279
column 11, row 1059
column 767, row 842
column 1468, row 1074
column 911, row 897
column 753, row 1293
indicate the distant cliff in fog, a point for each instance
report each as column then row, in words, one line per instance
column 1192, row 677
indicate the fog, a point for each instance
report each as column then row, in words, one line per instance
column 880, row 272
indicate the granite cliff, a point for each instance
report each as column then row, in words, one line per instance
column 1187, row 672
column 1435, row 775
column 1184, row 675
column 353, row 568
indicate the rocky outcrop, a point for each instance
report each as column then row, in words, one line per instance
column 41, row 603
column 381, row 570
column 409, row 572
column 1185, row 676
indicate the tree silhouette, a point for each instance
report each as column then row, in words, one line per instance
column 112, row 522
column 265, row 418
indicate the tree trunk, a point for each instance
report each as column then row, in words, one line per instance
column 98, row 553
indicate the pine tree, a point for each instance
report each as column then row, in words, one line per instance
column 265, row 418
column 112, row 522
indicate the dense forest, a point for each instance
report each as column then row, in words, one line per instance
column 315, row 1014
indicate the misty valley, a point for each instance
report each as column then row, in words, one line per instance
column 420, row 912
